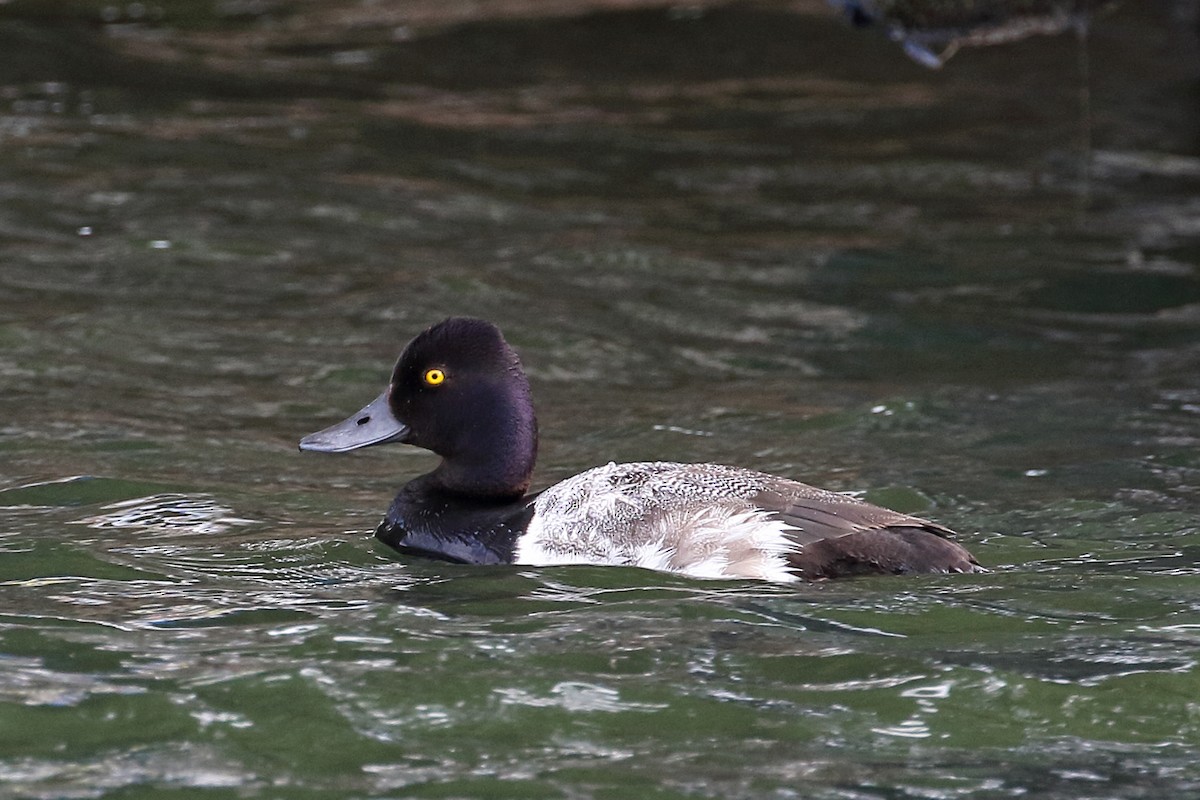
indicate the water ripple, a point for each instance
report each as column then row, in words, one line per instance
column 170, row 513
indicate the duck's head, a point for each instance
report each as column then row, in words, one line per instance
column 457, row 389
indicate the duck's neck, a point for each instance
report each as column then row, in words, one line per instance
column 495, row 459
column 502, row 480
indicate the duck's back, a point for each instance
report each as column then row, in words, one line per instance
column 714, row 521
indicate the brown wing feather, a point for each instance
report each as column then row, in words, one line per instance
column 839, row 536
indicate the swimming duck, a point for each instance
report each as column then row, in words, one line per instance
column 458, row 389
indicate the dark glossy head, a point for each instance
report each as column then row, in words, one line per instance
column 458, row 389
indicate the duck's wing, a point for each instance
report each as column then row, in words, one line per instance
column 836, row 535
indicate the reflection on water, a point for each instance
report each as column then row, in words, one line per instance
column 166, row 513
column 931, row 33
column 744, row 234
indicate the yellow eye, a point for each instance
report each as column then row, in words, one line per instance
column 434, row 377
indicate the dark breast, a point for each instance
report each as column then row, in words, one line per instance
column 454, row 528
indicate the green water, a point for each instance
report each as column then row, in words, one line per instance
column 749, row 235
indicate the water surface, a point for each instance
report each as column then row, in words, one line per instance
column 748, row 235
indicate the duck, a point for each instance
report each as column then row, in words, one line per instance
column 458, row 389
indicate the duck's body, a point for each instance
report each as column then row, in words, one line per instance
column 458, row 389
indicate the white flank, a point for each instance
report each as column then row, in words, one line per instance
column 589, row 520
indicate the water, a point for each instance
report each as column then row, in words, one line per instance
column 744, row 235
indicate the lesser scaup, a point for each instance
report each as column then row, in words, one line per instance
column 458, row 389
